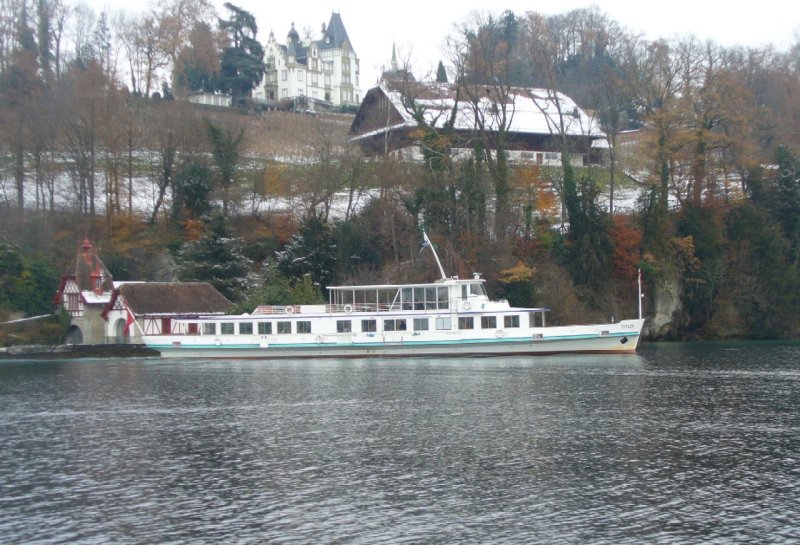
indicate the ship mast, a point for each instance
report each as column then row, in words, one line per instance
column 435, row 255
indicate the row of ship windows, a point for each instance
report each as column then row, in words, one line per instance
column 443, row 323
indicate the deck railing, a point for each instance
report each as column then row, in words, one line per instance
column 346, row 308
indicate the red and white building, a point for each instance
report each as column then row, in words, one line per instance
column 103, row 311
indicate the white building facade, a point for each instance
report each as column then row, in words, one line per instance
column 312, row 72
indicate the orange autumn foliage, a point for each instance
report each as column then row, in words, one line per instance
column 627, row 240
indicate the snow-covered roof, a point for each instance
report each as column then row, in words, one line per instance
column 93, row 298
column 529, row 111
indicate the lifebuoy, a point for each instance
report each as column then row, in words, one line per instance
column 348, row 309
column 289, row 309
column 467, row 306
column 499, row 334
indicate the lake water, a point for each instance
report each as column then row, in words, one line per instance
column 693, row 443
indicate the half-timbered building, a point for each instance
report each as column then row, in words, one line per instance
column 152, row 308
column 83, row 292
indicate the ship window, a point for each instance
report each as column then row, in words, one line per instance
column 419, row 299
column 284, row 328
column 420, row 324
column 476, row 289
column 430, row 298
column 344, row 326
column 369, row 326
column 226, row 328
column 511, row 321
column 304, row 327
column 210, row 329
column 488, row 322
column 245, row 328
column 466, row 322
column 395, row 325
column 464, row 291
column 265, row 328
column 443, row 323
column 443, row 296
column 407, row 298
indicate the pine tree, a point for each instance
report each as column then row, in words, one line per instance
column 441, row 74
column 216, row 258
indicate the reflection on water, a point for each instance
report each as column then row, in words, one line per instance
column 680, row 444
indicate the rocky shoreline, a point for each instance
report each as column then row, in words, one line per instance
column 72, row 351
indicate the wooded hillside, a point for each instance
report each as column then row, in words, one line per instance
column 172, row 190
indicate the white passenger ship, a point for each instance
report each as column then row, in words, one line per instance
column 449, row 317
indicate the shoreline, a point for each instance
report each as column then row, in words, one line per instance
column 41, row 352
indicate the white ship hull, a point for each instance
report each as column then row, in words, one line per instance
column 619, row 338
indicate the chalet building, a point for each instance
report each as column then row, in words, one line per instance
column 323, row 72
column 84, row 291
column 384, row 124
column 139, row 308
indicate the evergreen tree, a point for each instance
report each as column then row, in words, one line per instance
column 441, row 73
column 216, row 258
column 26, row 284
column 241, row 64
column 225, row 150
column 191, row 188
column 310, row 252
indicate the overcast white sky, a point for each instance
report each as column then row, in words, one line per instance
column 420, row 27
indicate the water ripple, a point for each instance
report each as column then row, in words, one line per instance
column 674, row 446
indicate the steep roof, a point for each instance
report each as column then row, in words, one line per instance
column 335, row 34
column 174, row 298
column 531, row 110
column 87, row 268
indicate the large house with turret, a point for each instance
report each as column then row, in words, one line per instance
column 311, row 72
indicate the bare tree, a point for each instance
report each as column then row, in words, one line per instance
column 141, row 37
column 482, row 56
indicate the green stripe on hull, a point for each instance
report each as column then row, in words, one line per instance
column 391, row 344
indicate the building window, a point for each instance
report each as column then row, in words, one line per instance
column 443, row 323
column 369, row 326
column 209, row 329
column 284, row 328
column 284, row 75
column 488, row 322
column 421, row 324
column 466, row 322
column 245, row 328
column 511, row 321
column 226, row 328
column 300, row 75
column 265, row 328
column 344, row 326
column 304, row 327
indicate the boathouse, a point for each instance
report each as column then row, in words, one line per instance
column 139, row 308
